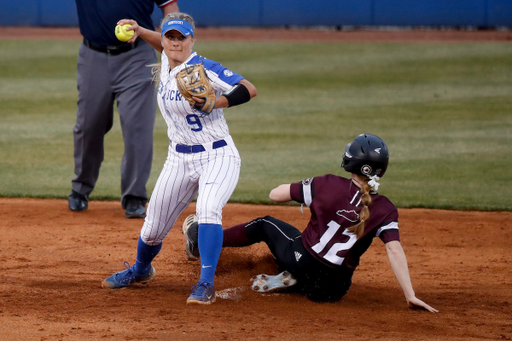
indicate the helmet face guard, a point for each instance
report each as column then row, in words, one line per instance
column 367, row 155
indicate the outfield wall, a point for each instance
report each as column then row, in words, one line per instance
column 480, row 13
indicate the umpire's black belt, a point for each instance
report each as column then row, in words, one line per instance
column 112, row 50
column 197, row 148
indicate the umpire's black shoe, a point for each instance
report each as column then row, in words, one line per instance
column 77, row 202
column 134, row 208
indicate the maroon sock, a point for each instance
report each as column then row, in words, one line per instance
column 236, row 236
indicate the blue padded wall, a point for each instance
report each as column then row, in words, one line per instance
column 499, row 13
column 483, row 13
column 314, row 13
column 431, row 12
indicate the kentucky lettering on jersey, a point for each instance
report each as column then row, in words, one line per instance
column 173, row 95
column 335, row 204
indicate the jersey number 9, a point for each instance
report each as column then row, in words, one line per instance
column 193, row 120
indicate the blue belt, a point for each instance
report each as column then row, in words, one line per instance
column 183, row 148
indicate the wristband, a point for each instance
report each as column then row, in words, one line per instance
column 238, row 95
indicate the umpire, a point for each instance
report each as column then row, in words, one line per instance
column 110, row 70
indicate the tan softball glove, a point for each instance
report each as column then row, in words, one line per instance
column 193, row 82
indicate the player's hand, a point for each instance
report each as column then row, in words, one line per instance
column 199, row 101
column 220, row 102
column 135, row 28
column 415, row 303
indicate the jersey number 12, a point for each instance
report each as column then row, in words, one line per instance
column 331, row 255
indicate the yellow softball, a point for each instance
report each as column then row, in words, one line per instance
column 122, row 34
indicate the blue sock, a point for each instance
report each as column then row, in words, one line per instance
column 145, row 254
column 210, row 246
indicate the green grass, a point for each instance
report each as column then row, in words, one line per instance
column 445, row 111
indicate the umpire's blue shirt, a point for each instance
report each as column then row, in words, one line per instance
column 98, row 18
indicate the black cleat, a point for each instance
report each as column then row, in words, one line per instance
column 190, row 230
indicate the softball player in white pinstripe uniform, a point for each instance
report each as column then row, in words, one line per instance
column 202, row 157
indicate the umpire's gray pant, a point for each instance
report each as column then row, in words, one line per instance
column 103, row 79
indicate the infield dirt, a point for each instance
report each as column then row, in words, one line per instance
column 52, row 263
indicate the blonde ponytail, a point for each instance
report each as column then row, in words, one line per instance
column 366, row 200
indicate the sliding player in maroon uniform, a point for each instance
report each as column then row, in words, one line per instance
column 346, row 214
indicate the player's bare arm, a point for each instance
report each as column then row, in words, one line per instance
column 170, row 8
column 281, row 193
column 151, row 37
column 399, row 265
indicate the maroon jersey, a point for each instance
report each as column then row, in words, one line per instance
column 335, row 204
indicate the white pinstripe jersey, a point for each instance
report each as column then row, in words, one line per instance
column 185, row 125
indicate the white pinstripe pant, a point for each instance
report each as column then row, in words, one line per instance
column 212, row 174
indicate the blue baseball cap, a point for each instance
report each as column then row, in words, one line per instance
column 179, row 25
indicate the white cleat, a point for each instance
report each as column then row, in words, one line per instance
column 267, row 283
